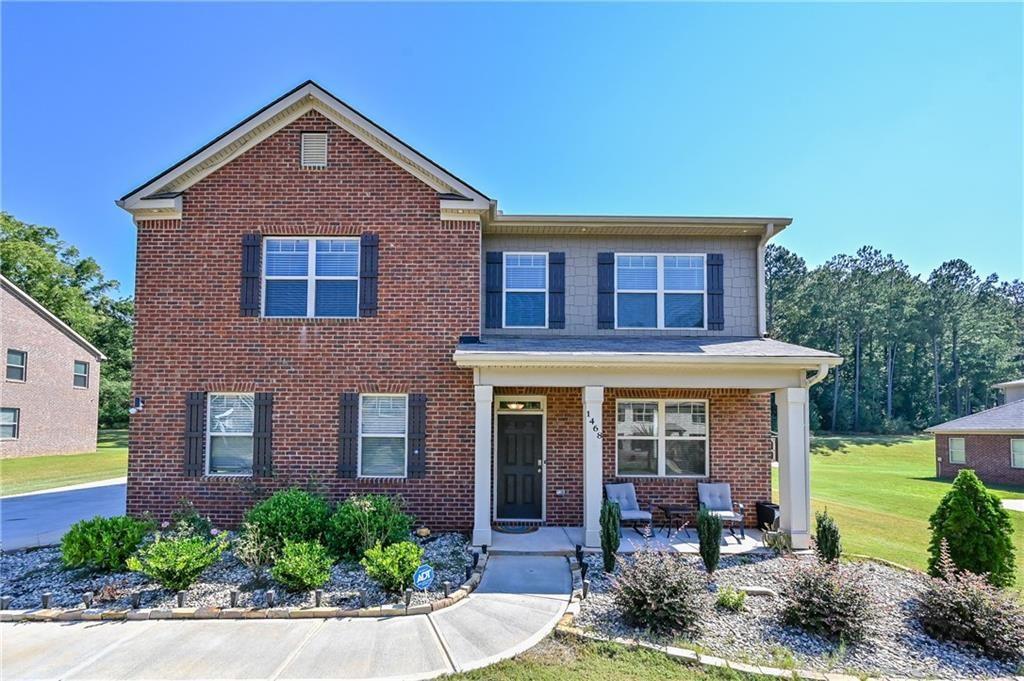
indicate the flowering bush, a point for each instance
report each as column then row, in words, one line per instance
column 659, row 592
column 824, row 599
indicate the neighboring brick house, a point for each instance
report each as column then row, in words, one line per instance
column 317, row 303
column 990, row 442
column 49, row 398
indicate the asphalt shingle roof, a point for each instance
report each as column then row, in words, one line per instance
column 1008, row 418
column 718, row 346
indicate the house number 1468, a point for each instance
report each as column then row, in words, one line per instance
column 593, row 425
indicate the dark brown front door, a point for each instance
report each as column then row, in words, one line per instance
column 520, row 466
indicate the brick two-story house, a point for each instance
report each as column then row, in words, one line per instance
column 318, row 303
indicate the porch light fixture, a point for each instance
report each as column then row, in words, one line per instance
column 515, row 406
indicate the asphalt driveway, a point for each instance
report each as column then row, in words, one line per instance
column 42, row 518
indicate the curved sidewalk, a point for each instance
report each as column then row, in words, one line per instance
column 519, row 601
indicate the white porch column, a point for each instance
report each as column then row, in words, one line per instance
column 794, row 465
column 593, row 401
column 482, row 469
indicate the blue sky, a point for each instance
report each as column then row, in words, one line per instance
column 898, row 126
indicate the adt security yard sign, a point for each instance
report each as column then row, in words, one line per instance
column 423, row 577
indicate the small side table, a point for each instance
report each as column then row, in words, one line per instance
column 675, row 516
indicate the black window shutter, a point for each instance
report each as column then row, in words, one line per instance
column 195, row 433
column 262, row 435
column 493, row 277
column 606, row 290
column 369, row 253
column 417, row 436
column 556, row 290
column 716, row 291
column 251, row 256
column 348, row 435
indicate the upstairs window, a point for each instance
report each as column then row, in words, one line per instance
column 383, row 426
column 229, row 431
column 957, row 450
column 10, row 423
column 311, row 277
column 17, row 365
column 81, row 377
column 660, row 291
column 526, row 290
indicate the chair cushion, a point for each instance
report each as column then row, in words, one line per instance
column 727, row 515
column 624, row 494
column 715, row 496
column 636, row 515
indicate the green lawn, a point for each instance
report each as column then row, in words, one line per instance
column 881, row 491
column 29, row 474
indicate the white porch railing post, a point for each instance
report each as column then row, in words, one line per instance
column 482, row 468
column 593, row 402
column 794, row 465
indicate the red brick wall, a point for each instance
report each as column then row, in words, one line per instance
column 56, row 417
column 987, row 455
column 190, row 335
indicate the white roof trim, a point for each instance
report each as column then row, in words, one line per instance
column 938, row 430
column 50, row 317
column 465, row 358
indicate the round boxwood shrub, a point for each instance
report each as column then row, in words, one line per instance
column 290, row 515
column 303, row 565
column 176, row 562
column 103, row 544
column 393, row 566
column 660, row 592
column 825, row 599
column 364, row 521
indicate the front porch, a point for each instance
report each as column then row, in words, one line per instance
column 563, row 541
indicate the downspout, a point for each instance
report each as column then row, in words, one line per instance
column 818, row 376
column 762, row 290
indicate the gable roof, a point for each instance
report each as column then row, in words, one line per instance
column 163, row 192
column 37, row 307
column 1008, row 418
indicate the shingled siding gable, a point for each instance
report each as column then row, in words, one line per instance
column 191, row 337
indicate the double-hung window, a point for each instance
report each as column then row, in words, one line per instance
column 383, row 426
column 664, row 438
column 526, row 290
column 229, row 430
column 81, row 374
column 660, row 291
column 10, row 422
column 1017, row 453
column 17, row 365
column 311, row 277
column 957, row 450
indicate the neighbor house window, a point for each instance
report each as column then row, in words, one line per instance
column 229, row 433
column 10, row 420
column 1017, row 453
column 382, row 432
column 81, row 379
column 17, row 365
column 526, row 290
column 311, row 277
column 666, row 438
column 659, row 291
column 957, row 450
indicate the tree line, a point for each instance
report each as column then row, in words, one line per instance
column 919, row 350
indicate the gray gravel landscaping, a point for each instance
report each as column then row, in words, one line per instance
column 895, row 644
column 26, row 575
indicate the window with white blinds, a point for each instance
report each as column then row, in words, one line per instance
column 311, row 277
column 229, row 431
column 383, row 426
column 526, row 290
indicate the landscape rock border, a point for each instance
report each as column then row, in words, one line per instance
column 207, row 613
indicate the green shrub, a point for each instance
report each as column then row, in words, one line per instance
column 709, row 532
column 823, row 599
column 731, row 599
column 103, row 544
column 186, row 520
column 392, row 566
column 977, row 528
column 659, row 592
column 611, row 521
column 302, row 566
column 827, row 542
column 254, row 549
column 176, row 562
column 362, row 522
column 290, row 515
column 963, row 607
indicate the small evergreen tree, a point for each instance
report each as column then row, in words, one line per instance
column 976, row 528
column 611, row 519
column 709, row 531
column 827, row 542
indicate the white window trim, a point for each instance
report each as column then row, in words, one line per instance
column 1012, row 440
column 17, row 425
column 75, row 374
column 209, row 434
column 661, row 438
column 660, row 292
column 405, row 439
column 311, row 276
column 23, row 366
column 949, row 451
column 505, row 290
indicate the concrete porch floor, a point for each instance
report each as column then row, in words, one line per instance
column 563, row 540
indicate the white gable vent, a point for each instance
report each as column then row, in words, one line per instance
column 314, row 150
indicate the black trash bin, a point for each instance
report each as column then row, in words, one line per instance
column 767, row 515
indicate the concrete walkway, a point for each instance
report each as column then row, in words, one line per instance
column 43, row 518
column 1014, row 504
column 519, row 601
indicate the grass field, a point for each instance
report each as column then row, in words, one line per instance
column 881, row 490
column 30, row 474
